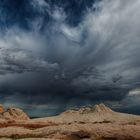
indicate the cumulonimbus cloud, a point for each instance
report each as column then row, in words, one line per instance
column 98, row 59
column 19, row 53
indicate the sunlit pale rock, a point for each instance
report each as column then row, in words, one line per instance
column 14, row 114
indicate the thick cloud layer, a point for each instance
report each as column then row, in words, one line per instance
column 52, row 57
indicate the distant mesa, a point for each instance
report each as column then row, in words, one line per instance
column 13, row 114
column 101, row 108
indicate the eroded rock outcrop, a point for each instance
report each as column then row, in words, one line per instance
column 87, row 123
column 13, row 114
column 101, row 108
column 1, row 108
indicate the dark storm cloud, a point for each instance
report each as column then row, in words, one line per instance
column 19, row 61
column 53, row 56
column 16, row 55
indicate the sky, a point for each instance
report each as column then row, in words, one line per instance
column 61, row 54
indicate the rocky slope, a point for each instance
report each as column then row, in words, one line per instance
column 101, row 108
column 87, row 123
column 12, row 114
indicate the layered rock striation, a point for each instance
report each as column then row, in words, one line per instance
column 101, row 108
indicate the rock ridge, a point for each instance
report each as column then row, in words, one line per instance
column 101, row 108
column 13, row 114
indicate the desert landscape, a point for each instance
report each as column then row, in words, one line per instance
column 69, row 69
column 87, row 123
